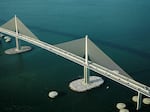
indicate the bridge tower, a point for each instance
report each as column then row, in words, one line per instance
column 86, row 70
column 87, row 82
column 17, row 40
column 16, row 26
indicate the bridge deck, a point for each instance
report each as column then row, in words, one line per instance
column 117, row 77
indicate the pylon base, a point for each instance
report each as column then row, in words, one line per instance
column 15, row 51
column 79, row 85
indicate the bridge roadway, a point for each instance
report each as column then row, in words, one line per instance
column 111, row 74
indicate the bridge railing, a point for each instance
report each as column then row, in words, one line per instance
column 121, row 78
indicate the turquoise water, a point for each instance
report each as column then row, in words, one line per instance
column 119, row 27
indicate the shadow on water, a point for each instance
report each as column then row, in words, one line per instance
column 142, row 71
column 10, row 107
column 56, row 32
column 124, row 48
column 105, row 43
column 61, row 94
column 19, row 63
column 1, row 48
column 2, row 21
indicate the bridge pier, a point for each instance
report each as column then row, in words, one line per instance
column 88, row 82
column 86, row 70
column 86, row 75
column 17, row 44
column 17, row 40
column 139, row 101
column 18, row 49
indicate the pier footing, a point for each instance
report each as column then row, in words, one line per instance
column 21, row 50
column 79, row 85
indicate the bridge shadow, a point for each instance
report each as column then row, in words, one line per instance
column 19, row 63
column 123, row 48
column 139, row 72
column 98, row 41
column 56, row 32
column 61, row 94
column 103, row 42
column 2, row 21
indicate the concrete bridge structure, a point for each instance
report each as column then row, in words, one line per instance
column 81, row 51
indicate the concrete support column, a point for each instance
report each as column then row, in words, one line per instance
column 139, row 101
column 86, row 75
column 86, row 70
column 17, row 44
column 17, row 40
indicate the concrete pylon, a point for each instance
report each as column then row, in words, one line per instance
column 86, row 70
column 139, row 101
column 17, row 40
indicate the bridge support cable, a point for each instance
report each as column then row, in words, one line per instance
column 95, row 54
column 21, row 28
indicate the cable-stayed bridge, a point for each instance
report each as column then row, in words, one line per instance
column 81, row 51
